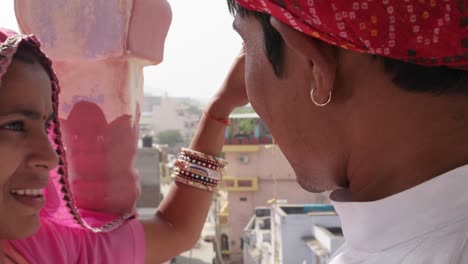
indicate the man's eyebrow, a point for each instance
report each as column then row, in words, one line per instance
column 31, row 114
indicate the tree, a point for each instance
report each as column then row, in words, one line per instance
column 170, row 137
column 245, row 125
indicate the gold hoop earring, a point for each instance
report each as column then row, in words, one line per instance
column 317, row 103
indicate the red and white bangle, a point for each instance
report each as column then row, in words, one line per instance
column 198, row 170
column 193, row 184
column 202, row 171
column 197, row 178
column 195, row 160
column 202, row 157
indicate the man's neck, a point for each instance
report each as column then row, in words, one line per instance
column 404, row 148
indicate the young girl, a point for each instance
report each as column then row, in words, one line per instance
column 39, row 220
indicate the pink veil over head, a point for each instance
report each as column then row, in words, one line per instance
column 60, row 204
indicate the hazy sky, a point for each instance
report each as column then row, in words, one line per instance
column 199, row 48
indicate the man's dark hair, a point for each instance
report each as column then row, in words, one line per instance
column 273, row 41
column 409, row 76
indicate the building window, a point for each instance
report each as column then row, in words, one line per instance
column 245, row 183
column 240, row 184
column 243, row 199
column 224, row 242
column 228, row 183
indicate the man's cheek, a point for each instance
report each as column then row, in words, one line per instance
column 260, row 104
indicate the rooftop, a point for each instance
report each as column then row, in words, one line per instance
column 314, row 209
column 336, row 231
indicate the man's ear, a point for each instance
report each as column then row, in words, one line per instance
column 321, row 56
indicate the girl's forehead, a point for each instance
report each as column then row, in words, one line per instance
column 24, row 80
column 8, row 49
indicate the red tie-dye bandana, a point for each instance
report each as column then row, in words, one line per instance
column 426, row 32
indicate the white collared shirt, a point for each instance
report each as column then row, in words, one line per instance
column 427, row 224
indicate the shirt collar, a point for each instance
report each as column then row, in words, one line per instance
column 378, row 225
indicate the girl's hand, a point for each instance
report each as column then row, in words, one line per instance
column 232, row 93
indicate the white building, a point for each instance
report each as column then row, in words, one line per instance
column 147, row 163
column 159, row 113
column 284, row 234
column 146, row 118
column 176, row 114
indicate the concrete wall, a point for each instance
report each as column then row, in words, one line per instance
column 147, row 164
column 99, row 49
column 294, row 228
column 172, row 114
column 265, row 163
column 329, row 241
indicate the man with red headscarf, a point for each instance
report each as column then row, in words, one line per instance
column 369, row 98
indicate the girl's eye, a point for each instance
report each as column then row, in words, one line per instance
column 17, row 126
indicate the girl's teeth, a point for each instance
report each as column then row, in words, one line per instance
column 28, row 192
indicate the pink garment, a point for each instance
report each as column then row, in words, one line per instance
column 67, row 233
column 57, row 243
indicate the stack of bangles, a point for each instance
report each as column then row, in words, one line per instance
column 198, row 170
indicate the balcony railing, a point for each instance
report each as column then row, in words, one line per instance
column 248, row 140
column 247, row 129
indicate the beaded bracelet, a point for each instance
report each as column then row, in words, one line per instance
column 201, row 162
column 193, row 184
column 192, row 179
column 196, row 177
column 202, row 157
column 198, row 170
column 203, row 171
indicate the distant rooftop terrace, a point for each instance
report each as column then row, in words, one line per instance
column 247, row 129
